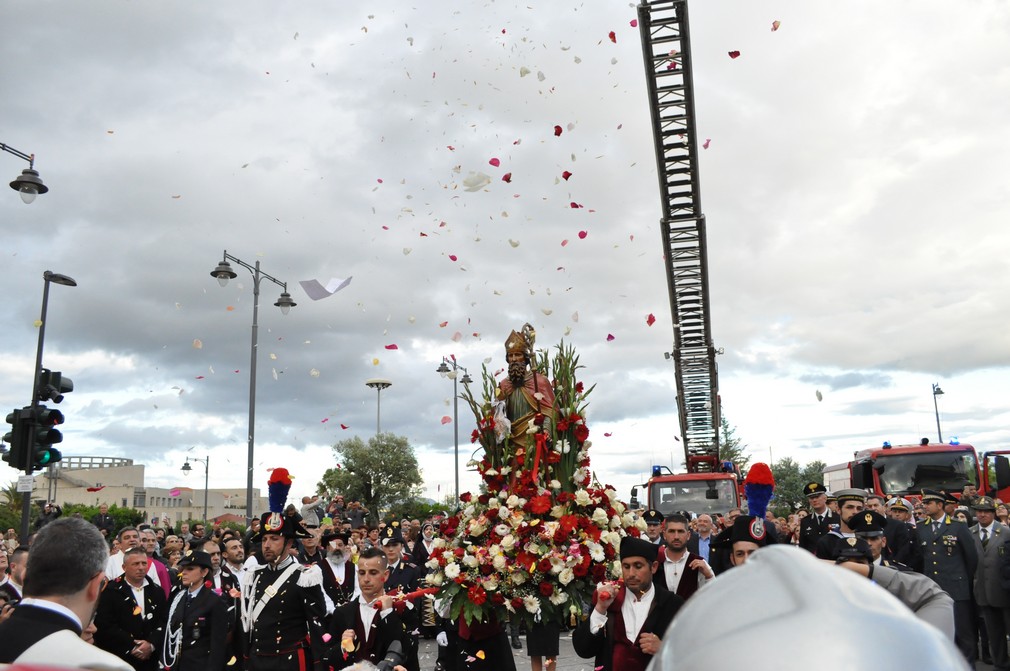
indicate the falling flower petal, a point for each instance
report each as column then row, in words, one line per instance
column 507, row 177
column 393, row 346
column 480, row 654
column 574, row 205
column 406, row 250
column 541, row 76
column 457, row 336
column 495, row 162
column 199, row 377
column 230, row 308
column 197, row 343
column 314, row 372
column 706, row 143
column 575, row 317
column 375, row 362
column 613, row 37
column 734, row 54
column 634, row 23
column 583, row 234
column 565, row 175
column 476, row 181
column 523, row 71
column 514, row 243
column 452, row 257
column 610, row 337
column 324, row 420
column 775, row 25
column 819, row 395
column 607, row 435
column 344, row 427
column 547, row 311
column 564, row 243
column 557, row 131
column 446, row 419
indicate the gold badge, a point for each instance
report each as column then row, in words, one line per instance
column 869, row 518
column 851, row 542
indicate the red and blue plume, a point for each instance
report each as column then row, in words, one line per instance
column 758, row 488
column 277, row 487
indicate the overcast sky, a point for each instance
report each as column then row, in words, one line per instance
column 855, row 188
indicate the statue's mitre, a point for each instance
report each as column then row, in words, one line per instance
column 515, row 343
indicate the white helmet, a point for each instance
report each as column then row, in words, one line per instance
column 742, row 613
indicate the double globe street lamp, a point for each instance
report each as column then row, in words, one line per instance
column 223, row 273
column 450, row 368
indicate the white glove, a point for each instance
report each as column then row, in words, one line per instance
column 442, row 639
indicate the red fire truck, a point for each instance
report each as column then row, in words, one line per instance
column 905, row 470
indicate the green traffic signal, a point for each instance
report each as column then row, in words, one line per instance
column 44, row 436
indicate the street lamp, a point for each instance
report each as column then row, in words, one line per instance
column 937, row 392
column 223, row 273
column 453, row 373
column 28, row 184
column 186, row 469
column 378, row 384
column 47, row 277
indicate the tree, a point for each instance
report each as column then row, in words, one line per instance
column 790, row 478
column 379, row 474
column 730, row 447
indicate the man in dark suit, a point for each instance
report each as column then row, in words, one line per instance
column 627, row 622
column 62, row 584
column 104, row 521
column 950, row 559
column 850, row 504
column 991, row 543
column 197, row 629
column 360, row 631
column 819, row 521
column 16, row 563
column 900, row 542
column 131, row 615
column 402, row 577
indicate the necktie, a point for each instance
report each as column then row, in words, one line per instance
column 985, row 537
column 936, row 527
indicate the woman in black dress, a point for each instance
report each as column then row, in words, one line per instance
column 542, row 641
column 197, row 630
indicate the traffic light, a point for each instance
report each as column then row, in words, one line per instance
column 17, row 438
column 43, row 437
column 52, row 386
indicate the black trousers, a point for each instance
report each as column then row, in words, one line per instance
column 965, row 632
column 997, row 621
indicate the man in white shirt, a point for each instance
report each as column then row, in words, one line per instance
column 628, row 621
column 128, row 538
column 681, row 571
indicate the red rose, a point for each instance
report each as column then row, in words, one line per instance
column 477, row 594
column 486, row 569
column 465, row 497
column 483, row 499
column 474, row 436
column 599, row 572
column 581, row 569
column 497, row 599
column 517, row 603
column 544, row 565
column 581, row 432
column 546, row 589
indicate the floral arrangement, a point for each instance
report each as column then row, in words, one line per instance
column 540, row 537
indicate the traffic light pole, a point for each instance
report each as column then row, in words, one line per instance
column 47, row 276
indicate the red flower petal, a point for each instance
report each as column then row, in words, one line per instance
column 446, row 419
column 564, row 242
column 607, row 435
column 507, row 177
column 565, row 175
column 452, row 257
column 610, row 337
column 450, row 147
column 708, row 141
column 582, row 235
column 392, row 347
column 613, row 37
column 734, row 54
column 495, row 162
column 344, row 427
column 651, row 319
column 775, row 25
column 634, row 23
column 574, row 205
column 199, row 377
column 557, row 131
column 443, row 325
column 324, row 420
column 379, row 181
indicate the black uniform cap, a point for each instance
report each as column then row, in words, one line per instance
column 853, row 548
column 868, row 524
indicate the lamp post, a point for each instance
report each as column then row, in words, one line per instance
column 452, row 372
column 28, row 184
column 937, row 392
column 186, row 469
column 378, row 384
column 47, row 277
column 223, row 273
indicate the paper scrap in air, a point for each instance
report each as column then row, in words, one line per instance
column 317, row 291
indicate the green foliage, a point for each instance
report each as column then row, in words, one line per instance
column 790, row 478
column 730, row 447
column 381, row 474
column 416, row 509
column 124, row 517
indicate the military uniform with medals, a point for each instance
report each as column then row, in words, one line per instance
column 813, row 527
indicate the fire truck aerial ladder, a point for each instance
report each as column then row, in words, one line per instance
column 666, row 44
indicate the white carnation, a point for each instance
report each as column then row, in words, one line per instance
column 503, row 513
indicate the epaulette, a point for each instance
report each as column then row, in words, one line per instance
column 310, row 576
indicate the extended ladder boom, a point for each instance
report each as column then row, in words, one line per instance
column 666, row 43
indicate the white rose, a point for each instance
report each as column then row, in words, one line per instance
column 557, row 512
column 501, row 529
column 499, row 562
column 566, row 576
column 615, row 522
column 508, row 542
column 517, row 578
column 503, row 513
column 491, row 472
column 470, row 561
column 554, row 484
column 558, row 598
column 628, row 520
column 532, row 604
column 439, row 543
column 435, row 579
column 512, row 501
column 583, row 498
column 432, row 564
column 600, row 517
column 491, row 584
column 452, row 570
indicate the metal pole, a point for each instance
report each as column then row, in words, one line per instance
column 252, row 396
column 455, row 427
column 936, row 409
column 378, row 411
column 206, row 481
column 26, row 503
